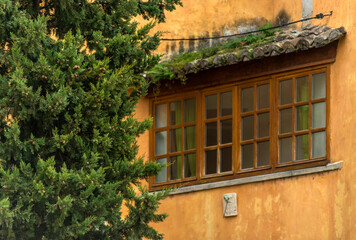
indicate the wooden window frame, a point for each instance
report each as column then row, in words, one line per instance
column 237, row 172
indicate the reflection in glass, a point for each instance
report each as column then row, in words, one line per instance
column 285, row 92
column 226, row 104
column 302, row 89
column 161, row 143
column 301, row 117
column 263, row 125
column 211, row 104
column 189, row 165
column 263, row 96
column 210, row 162
column 285, row 120
column 247, row 127
column 319, row 85
column 302, row 147
column 319, row 143
column 226, row 159
column 247, row 156
column 189, row 138
column 247, row 99
column 319, row 115
column 175, row 140
column 175, row 170
column 162, row 175
column 189, row 110
column 263, row 154
column 210, row 134
column 285, row 150
column 175, row 113
column 161, row 115
column 226, row 131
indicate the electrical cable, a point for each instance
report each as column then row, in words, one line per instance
column 318, row 16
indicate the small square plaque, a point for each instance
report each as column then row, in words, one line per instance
column 229, row 205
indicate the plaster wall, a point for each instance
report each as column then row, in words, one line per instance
column 317, row 206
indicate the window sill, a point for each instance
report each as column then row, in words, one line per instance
column 259, row 178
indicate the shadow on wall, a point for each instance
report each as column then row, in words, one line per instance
column 239, row 26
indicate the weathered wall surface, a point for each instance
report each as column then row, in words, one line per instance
column 318, row 206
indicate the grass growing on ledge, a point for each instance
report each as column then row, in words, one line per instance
column 174, row 68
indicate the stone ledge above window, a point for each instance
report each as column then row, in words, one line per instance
column 260, row 178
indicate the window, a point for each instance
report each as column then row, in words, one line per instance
column 250, row 127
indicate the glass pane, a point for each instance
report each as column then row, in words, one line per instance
column 189, row 110
column 285, row 150
column 302, row 147
column 263, row 154
column 161, row 143
column 161, row 115
column 285, row 120
column 302, row 117
column 189, row 165
column 175, row 140
column 226, row 104
column 210, row 162
column 210, row 134
column 285, row 92
column 226, row 159
column 319, row 115
column 263, row 125
column 263, row 96
column 319, row 85
column 211, row 103
column 162, row 175
column 175, row 113
column 319, row 144
column 226, row 131
column 175, row 170
column 247, row 127
column 302, row 89
column 189, row 138
column 247, row 99
column 247, row 156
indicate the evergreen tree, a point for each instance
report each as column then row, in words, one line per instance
column 68, row 152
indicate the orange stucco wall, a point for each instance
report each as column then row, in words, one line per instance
column 316, row 206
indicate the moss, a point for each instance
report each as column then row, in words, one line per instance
column 175, row 67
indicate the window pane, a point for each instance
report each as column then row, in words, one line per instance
column 263, row 96
column 247, row 99
column 302, row 89
column 285, row 150
column 319, row 85
column 175, row 140
column 161, row 115
column 175, row 168
column 211, row 103
column 210, row 134
column 175, row 113
column 263, row 154
column 189, row 110
column 285, row 120
column 210, row 162
column 285, row 92
column 161, row 143
column 189, row 165
column 226, row 159
column 247, row 127
column 189, row 138
column 302, row 147
column 302, row 117
column 319, row 115
column 319, row 144
column 263, row 125
column 162, row 175
column 226, row 131
column 247, row 156
column 226, row 104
